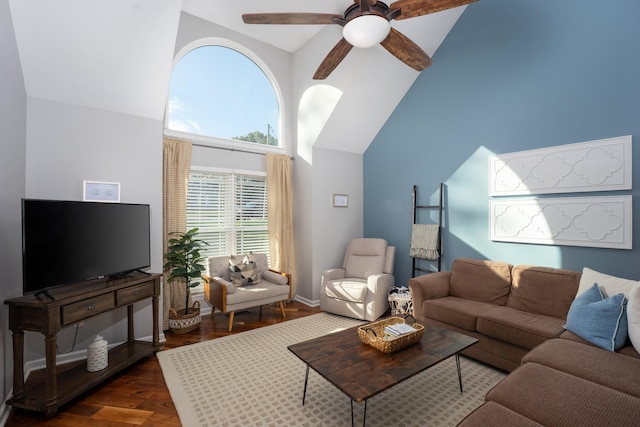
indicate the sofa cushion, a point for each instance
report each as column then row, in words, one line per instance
column 627, row 350
column 479, row 280
column 609, row 285
column 219, row 267
column 354, row 290
column 364, row 257
column 570, row 336
column 455, row 311
column 543, row 290
column 493, row 414
column 562, row 354
column 518, row 327
column 633, row 317
column 260, row 291
column 600, row 320
column 554, row 398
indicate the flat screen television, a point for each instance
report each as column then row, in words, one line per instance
column 65, row 242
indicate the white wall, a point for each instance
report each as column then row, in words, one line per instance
column 334, row 172
column 322, row 232
column 67, row 144
column 12, row 172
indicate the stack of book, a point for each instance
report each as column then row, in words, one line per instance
column 398, row 329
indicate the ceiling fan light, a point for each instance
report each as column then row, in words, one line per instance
column 366, row 31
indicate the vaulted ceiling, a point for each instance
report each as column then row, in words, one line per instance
column 117, row 55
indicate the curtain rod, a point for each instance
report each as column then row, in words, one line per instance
column 198, row 144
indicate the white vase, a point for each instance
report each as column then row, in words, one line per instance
column 97, row 354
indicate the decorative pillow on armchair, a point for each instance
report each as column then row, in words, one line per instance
column 243, row 272
column 599, row 320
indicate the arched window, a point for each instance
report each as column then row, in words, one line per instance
column 218, row 91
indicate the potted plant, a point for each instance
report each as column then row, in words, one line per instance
column 184, row 262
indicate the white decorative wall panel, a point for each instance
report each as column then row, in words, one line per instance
column 602, row 165
column 602, row 222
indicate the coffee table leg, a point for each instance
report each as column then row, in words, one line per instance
column 351, row 413
column 306, row 379
column 364, row 417
column 459, row 371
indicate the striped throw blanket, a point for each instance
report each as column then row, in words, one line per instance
column 424, row 241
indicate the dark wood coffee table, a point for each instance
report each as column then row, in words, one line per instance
column 361, row 371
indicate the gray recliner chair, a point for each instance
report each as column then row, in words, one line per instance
column 360, row 288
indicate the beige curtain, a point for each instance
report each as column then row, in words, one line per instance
column 176, row 167
column 280, row 213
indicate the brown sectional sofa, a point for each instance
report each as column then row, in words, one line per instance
column 518, row 314
column 509, row 309
column 565, row 382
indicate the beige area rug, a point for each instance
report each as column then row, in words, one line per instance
column 252, row 379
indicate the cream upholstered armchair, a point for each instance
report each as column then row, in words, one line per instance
column 257, row 286
column 359, row 289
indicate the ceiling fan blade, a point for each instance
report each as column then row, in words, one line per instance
column 290, row 18
column 413, row 8
column 331, row 61
column 406, row 51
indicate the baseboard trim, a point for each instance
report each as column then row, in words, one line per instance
column 205, row 308
column 305, row 301
column 5, row 411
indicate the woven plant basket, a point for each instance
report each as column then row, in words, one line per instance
column 373, row 335
column 181, row 323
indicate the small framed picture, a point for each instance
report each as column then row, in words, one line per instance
column 340, row 200
column 96, row 191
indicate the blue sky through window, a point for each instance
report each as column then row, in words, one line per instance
column 217, row 91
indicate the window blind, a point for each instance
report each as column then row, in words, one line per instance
column 230, row 209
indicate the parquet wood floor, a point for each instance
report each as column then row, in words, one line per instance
column 138, row 396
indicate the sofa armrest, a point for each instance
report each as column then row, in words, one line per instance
column 280, row 278
column 216, row 290
column 378, row 287
column 333, row 274
column 429, row 286
column 375, row 282
column 277, row 277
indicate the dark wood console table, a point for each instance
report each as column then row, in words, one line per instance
column 73, row 304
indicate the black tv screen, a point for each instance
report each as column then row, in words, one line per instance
column 65, row 242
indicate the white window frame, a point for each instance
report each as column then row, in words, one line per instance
column 232, row 219
column 220, row 142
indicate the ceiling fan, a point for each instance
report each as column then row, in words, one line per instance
column 365, row 24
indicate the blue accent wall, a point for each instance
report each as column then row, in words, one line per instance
column 510, row 76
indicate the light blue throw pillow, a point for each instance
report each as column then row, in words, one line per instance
column 601, row 321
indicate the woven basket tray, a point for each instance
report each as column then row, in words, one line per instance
column 373, row 335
